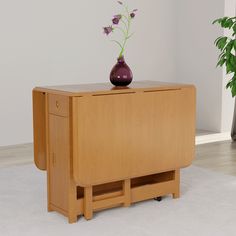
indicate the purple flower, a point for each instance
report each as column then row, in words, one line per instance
column 132, row 15
column 120, row 2
column 116, row 19
column 108, row 30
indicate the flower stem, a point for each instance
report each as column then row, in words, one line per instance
column 125, row 17
column 126, row 36
column 120, row 30
column 118, row 43
column 125, row 24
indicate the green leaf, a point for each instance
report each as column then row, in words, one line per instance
column 233, row 61
column 233, row 89
column 217, row 39
column 234, row 28
column 219, row 20
column 229, row 23
column 222, row 55
column 224, row 22
column 232, row 85
column 229, row 48
column 232, row 64
column 221, row 42
column 216, row 21
column 221, row 62
column 229, row 67
column 229, row 84
column 234, row 44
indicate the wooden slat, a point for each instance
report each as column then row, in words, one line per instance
column 79, row 206
column 176, row 193
column 107, row 203
column 151, row 191
column 88, row 203
column 140, row 193
column 127, row 192
column 107, row 195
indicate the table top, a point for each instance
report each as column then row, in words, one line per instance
column 107, row 88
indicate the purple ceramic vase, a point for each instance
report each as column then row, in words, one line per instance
column 121, row 75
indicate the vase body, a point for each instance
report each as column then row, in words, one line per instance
column 121, row 74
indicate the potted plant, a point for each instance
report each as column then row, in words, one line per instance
column 121, row 74
column 227, row 58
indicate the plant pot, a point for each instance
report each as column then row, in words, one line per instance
column 121, row 74
column 233, row 130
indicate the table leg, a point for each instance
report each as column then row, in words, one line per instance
column 127, row 192
column 88, row 203
column 176, row 193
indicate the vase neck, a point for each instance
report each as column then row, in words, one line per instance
column 121, row 59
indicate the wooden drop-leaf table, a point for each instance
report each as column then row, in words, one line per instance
column 105, row 146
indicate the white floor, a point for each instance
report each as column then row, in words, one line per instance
column 207, row 207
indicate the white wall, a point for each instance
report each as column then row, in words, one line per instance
column 50, row 42
column 197, row 57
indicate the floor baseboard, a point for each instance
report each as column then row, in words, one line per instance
column 211, row 138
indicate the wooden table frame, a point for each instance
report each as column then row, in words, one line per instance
column 84, row 174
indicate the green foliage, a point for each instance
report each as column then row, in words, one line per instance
column 227, row 47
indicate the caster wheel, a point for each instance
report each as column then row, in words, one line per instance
column 158, row 199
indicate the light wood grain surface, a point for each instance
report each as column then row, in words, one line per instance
column 39, row 124
column 108, row 88
column 59, row 161
column 128, row 135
